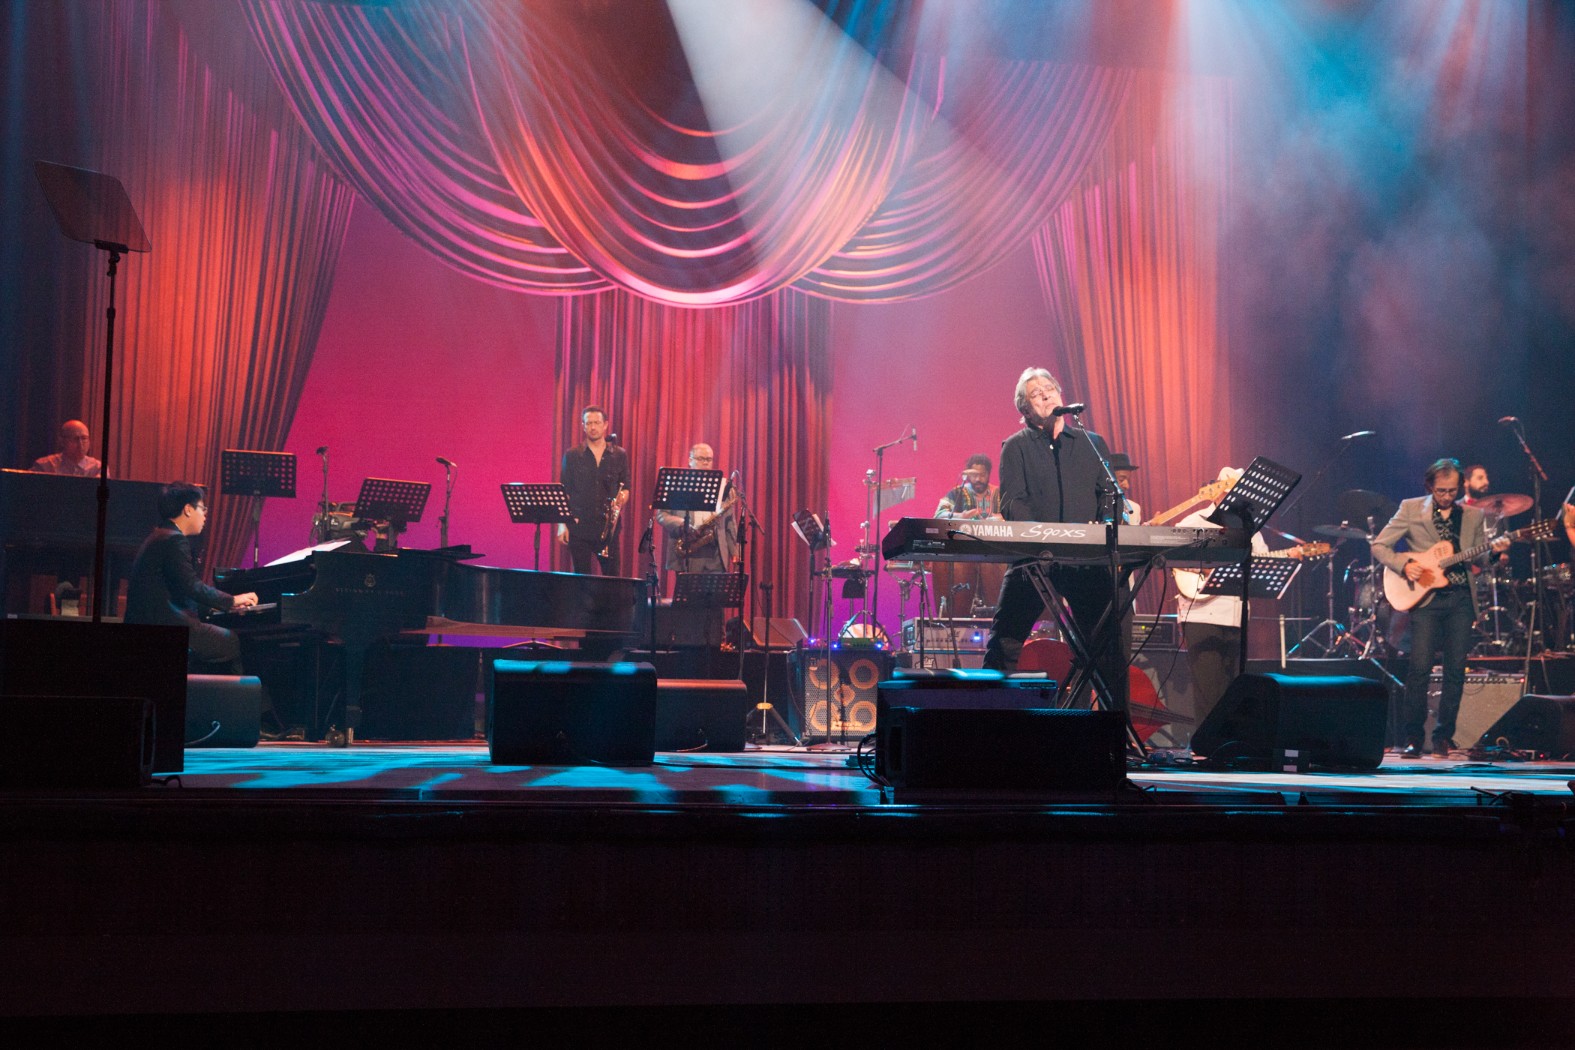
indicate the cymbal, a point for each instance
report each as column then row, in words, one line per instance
column 1345, row 532
column 1361, row 504
column 1504, row 505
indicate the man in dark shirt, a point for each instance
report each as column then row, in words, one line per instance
column 164, row 584
column 1051, row 472
column 596, row 475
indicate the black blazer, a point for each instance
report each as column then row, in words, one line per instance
column 164, row 584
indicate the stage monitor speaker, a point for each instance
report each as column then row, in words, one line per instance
column 66, row 659
column 88, row 742
column 1483, row 702
column 855, row 673
column 701, row 714
column 1033, row 749
column 223, row 710
column 419, row 692
column 559, row 713
column 1545, row 724
column 1281, row 720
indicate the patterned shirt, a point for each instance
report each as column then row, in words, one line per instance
column 1449, row 529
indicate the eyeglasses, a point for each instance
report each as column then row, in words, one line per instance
column 1454, row 491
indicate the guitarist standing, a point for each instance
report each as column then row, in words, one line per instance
column 596, row 475
column 1443, row 620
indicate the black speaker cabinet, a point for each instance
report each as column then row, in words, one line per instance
column 223, row 710
column 851, row 684
column 1335, row 722
column 77, row 741
column 701, row 714
column 59, row 658
column 1545, row 724
column 559, row 713
column 1037, row 749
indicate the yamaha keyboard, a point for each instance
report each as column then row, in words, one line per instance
column 955, row 539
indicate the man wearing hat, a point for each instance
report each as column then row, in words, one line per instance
column 1122, row 468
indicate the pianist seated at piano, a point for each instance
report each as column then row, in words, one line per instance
column 71, row 459
column 165, row 588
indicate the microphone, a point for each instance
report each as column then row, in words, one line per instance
column 915, row 436
column 1507, row 421
column 1360, row 434
column 449, row 463
column 323, row 451
column 1068, row 410
column 733, row 477
column 612, row 439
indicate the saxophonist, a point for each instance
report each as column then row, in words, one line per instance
column 702, row 541
column 596, row 475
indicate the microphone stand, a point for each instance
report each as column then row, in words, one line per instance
column 448, row 496
column 325, row 519
column 1538, row 476
column 875, row 533
column 746, row 521
column 1117, row 691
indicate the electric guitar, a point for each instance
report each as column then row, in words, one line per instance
column 1209, row 493
column 1403, row 594
column 1189, row 583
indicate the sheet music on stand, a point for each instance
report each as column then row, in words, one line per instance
column 686, row 489
column 243, row 472
column 1256, row 495
column 712, row 590
column 1270, row 578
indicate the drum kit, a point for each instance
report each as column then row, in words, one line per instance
column 1515, row 616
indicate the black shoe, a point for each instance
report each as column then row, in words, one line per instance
column 1412, row 751
column 1443, row 747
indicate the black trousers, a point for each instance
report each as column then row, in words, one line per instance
column 1087, row 593
column 583, row 555
column 213, row 649
column 1443, row 625
column 1213, row 657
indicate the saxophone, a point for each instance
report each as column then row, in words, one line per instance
column 610, row 525
column 703, row 535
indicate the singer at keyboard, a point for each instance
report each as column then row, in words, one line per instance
column 1051, row 472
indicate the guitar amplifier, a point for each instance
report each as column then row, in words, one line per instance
column 1156, row 633
column 1485, row 700
column 962, row 635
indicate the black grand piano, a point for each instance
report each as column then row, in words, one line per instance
column 360, row 599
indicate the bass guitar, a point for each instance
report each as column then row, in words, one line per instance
column 1189, row 584
column 1436, row 561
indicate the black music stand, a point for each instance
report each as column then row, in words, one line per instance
column 395, row 504
column 1268, row 577
column 686, row 489
column 538, row 505
column 1249, row 505
column 93, row 208
column 711, row 590
column 243, row 472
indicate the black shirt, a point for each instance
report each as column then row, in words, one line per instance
column 591, row 485
column 1060, row 480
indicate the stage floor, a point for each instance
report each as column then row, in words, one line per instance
column 817, row 776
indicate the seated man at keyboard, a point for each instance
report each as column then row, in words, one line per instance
column 1051, row 472
column 165, row 588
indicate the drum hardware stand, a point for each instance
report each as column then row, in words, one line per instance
column 903, row 489
column 1538, row 476
column 1340, row 637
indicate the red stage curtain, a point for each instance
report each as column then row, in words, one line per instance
column 752, row 380
column 561, row 148
column 1133, row 275
column 218, row 322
